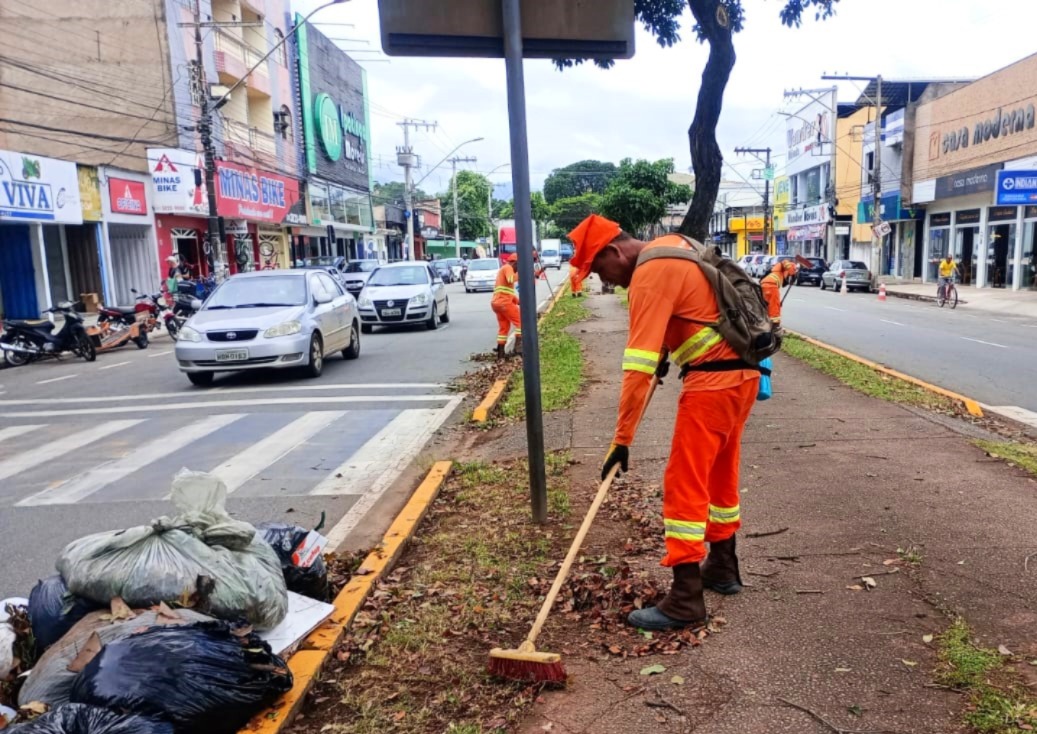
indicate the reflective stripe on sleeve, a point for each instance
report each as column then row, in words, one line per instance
column 702, row 341
column 724, row 514
column 640, row 360
column 685, row 529
column 505, row 289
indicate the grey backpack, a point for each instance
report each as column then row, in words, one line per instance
column 744, row 322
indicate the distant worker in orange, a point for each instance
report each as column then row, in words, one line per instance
column 575, row 282
column 672, row 313
column 772, row 283
column 505, row 304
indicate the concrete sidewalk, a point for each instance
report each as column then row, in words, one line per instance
column 847, row 480
column 994, row 300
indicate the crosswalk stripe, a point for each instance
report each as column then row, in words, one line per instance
column 61, row 447
column 373, row 469
column 240, row 468
column 15, row 431
column 92, row 480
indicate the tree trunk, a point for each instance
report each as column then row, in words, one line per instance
column 706, row 159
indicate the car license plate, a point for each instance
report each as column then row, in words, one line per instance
column 232, row 355
column 391, row 312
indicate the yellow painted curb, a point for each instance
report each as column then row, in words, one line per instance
column 970, row 405
column 313, row 652
column 482, row 413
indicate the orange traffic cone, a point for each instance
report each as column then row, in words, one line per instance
column 843, row 290
column 882, row 291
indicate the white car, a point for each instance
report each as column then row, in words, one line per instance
column 551, row 258
column 269, row 319
column 744, row 261
column 403, row 293
column 481, row 275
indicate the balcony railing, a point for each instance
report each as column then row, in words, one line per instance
column 241, row 135
column 237, row 48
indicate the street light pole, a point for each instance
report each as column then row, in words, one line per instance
column 457, row 216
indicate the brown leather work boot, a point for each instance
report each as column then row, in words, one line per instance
column 720, row 569
column 683, row 606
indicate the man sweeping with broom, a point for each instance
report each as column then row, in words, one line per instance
column 674, row 314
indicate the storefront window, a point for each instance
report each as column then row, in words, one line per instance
column 939, row 246
column 813, row 186
column 966, row 240
column 339, row 205
column 319, row 202
column 1000, row 246
column 1029, row 264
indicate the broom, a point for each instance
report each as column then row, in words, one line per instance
column 803, row 263
column 526, row 663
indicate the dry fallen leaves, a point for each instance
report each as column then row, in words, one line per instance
column 653, row 669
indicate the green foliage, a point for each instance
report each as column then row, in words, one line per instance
column 569, row 211
column 473, row 190
column 391, row 192
column 541, row 210
column 639, row 194
column 503, row 209
column 577, row 179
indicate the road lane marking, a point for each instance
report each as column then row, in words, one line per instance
column 191, row 394
column 210, row 404
column 56, row 379
column 113, row 366
column 160, row 354
column 980, row 341
column 242, row 467
column 61, row 447
column 87, row 483
column 375, row 487
column 895, row 323
column 15, row 431
column 833, row 308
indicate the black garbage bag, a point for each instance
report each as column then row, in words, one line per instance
column 283, row 538
column 77, row 718
column 53, row 610
column 207, row 677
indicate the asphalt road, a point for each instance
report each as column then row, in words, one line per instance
column 90, row 447
column 989, row 357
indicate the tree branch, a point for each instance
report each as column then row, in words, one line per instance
column 714, row 25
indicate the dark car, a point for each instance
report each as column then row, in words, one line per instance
column 443, row 270
column 811, row 275
column 566, row 251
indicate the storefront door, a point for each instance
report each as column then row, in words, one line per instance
column 17, row 276
column 1001, row 240
column 965, row 252
column 133, row 261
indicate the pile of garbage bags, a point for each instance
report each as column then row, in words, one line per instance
column 154, row 629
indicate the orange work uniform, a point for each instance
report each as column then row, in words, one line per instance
column 575, row 282
column 668, row 301
column 771, row 285
column 505, row 303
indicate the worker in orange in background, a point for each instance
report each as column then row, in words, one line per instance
column 505, row 304
column 671, row 305
column 771, row 284
column 575, row 282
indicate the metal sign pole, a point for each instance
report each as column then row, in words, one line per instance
column 524, row 236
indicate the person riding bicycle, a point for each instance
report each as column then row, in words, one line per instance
column 948, row 269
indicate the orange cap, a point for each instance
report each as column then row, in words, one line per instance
column 589, row 238
column 512, row 258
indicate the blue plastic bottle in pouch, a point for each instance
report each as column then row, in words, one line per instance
column 765, row 381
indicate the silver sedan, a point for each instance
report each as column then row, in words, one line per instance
column 269, row 319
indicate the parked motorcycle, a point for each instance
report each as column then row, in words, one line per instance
column 25, row 341
column 156, row 312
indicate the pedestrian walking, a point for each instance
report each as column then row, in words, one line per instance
column 771, row 285
column 673, row 312
column 505, row 305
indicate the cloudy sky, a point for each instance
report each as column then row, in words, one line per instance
column 642, row 107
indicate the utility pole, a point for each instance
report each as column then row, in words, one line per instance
column 457, row 216
column 766, row 192
column 405, row 157
column 213, row 238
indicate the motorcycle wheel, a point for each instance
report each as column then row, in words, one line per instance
column 142, row 340
column 85, row 348
column 17, row 359
column 173, row 329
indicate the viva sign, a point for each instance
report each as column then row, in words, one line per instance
column 38, row 189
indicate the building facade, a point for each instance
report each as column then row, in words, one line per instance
column 809, row 166
column 975, row 172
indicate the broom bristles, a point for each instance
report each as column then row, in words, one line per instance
column 518, row 665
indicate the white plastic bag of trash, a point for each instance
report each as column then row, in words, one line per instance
column 8, row 637
column 200, row 555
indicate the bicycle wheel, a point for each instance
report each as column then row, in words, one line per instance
column 941, row 296
column 952, row 297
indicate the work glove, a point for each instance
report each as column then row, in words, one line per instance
column 618, row 454
column 663, row 369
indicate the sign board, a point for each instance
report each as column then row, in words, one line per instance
column 587, row 29
column 818, row 214
column 809, row 133
column 1016, row 187
column 177, row 181
column 881, row 229
column 768, row 173
column 974, row 181
column 38, row 189
column 90, row 194
column 251, row 194
column 127, row 197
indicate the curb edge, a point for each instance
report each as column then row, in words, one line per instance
column 313, row 652
column 971, row 405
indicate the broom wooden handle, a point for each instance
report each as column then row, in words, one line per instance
column 574, row 549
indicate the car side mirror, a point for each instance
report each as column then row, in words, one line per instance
column 321, row 298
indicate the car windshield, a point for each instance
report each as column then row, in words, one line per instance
column 361, row 266
column 816, row 262
column 854, row 265
column 259, row 293
column 550, row 253
column 482, row 265
column 320, row 261
column 407, row 275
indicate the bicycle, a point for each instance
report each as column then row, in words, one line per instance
column 947, row 293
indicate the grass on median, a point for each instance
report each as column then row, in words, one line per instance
column 561, row 362
column 1023, row 455
column 998, row 702
column 865, row 379
column 624, row 299
column 415, row 659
